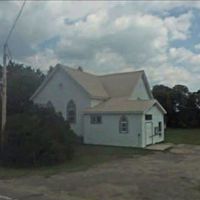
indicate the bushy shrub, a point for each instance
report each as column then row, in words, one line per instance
column 37, row 136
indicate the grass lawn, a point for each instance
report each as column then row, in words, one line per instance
column 183, row 136
column 85, row 156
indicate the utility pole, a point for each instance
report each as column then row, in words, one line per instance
column 4, row 93
column 4, row 78
column 3, row 96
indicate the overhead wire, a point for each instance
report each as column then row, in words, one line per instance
column 9, row 54
column 15, row 22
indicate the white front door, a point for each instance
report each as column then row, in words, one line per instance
column 149, row 133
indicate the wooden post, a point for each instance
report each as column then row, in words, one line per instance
column 4, row 96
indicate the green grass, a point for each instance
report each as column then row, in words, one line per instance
column 86, row 156
column 183, row 136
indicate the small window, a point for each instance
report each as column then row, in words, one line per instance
column 95, row 119
column 156, row 132
column 158, row 129
column 123, row 125
column 148, row 117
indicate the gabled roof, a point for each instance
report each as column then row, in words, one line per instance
column 101, row 87
column 112, row 85
column 46, row 80
column 88, row 81
column 122, row 104
column 120, row 84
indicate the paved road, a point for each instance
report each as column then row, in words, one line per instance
column 173, row 175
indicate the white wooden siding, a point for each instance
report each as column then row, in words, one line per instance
column 140, row 91
column 107, row 133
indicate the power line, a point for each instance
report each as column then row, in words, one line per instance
column 15, row 22
column 8, row 52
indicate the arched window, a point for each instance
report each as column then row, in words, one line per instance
column 123, row 124
column 71, row 112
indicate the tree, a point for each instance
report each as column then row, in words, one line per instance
column 22, row 82
column 51, row 68
column 182, row 106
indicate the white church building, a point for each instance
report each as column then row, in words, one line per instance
column 114, row 109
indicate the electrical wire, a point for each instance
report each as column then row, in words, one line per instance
column 9, row 54
column 15, row 22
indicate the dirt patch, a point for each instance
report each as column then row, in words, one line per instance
column 186, row 149
column 162, row 175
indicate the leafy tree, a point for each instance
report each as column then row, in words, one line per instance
column 51, row 68
column 182, row 106
column 162, row 93
column 22, row 81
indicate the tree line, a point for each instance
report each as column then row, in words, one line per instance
column 182, row 105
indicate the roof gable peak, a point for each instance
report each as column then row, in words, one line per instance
column 121, row 73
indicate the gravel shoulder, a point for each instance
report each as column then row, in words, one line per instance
column 169, row 175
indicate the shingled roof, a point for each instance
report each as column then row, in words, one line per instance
column 100, row 87
column 120, row 84
column 106, row 86
column 123, row 104
column 88, row 81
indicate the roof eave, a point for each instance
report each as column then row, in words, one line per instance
column 147, row 85
column 159, row 106
column 113, row 112
column 99, row 97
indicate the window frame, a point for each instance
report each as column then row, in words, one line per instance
column 148, row 115
column 71, row 112
column 123, row 125
column 95, row 119
column 158, row 129
column 156, row 132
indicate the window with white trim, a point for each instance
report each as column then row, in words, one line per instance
column 95, row 119
column 71, row 112
column 123, row 124
column 148, row 117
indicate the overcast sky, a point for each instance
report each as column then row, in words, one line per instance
column 163, row 38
